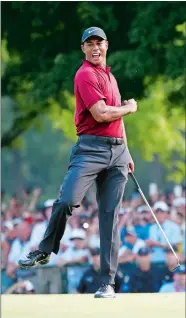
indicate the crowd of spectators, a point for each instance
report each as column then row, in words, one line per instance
column 145, row 260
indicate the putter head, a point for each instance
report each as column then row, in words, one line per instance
column 177, row 266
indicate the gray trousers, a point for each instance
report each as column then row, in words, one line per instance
column 100, row 160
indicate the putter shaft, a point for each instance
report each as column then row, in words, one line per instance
column 145, row 200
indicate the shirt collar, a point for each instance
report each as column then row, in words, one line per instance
column 108, row 68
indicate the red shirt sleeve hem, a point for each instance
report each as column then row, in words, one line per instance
column 94, row 101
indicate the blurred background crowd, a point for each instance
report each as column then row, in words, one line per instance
column 145, row 260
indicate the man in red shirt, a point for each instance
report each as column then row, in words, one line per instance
column 100, row 155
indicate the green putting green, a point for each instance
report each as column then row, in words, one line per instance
column 85, row 306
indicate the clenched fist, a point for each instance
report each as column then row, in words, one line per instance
column 132, row 105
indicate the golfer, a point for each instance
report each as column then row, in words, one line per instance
column 100, row 155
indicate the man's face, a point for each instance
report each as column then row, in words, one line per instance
column 180, row 279
column 143, row 261
column 161, row 216
column 96, row 261
column 78, row 243
column 95, row 50
column 23, row 231
column 146, row 216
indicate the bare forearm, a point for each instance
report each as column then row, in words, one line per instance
column 152, row 243
column 104, row 114
column 126, row 258
column 112, row 113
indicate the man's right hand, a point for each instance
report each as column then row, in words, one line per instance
column 132, row 104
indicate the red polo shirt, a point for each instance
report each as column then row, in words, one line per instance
column 91, row 84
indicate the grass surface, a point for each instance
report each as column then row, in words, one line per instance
column 85, row 306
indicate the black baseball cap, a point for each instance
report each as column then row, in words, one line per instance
column 95, row 251
column 143, row 251
column 93, row 31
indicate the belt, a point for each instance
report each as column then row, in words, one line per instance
column 107, row 140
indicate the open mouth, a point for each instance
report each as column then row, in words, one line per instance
column 96, row 56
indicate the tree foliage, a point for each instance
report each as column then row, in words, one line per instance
column 41, row 53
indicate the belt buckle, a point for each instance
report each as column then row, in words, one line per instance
column 119, row 141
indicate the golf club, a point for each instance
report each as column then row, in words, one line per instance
column 145, row 200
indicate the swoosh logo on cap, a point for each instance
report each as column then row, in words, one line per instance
column 91, row 31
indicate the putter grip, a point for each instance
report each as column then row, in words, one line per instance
column 134, row 179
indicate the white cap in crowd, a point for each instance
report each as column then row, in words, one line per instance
column 8, row 224
column 78, row 233
column 28, row 285
column 161, row 205
column 49, row 203
column 142, row 208
column 179, row 202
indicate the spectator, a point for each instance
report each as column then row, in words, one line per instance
column 40, row 228
column 30, row 199
column 143, row 279
column 136, row 200
column 125, row 219
column 22, row 287
column 179, row 219
column 122, row 217
column 14, row 209
column 154, row 193
column 142, row 222
column 178, row 284
column 171, row 263
column 20, row 247
column 77, row 254
column 7, row 238
column 156, row 240
column 127, row 253
column 90, row 281
column 164, row 272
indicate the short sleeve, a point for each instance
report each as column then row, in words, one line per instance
column 176, row 234
column 89, row 89
column 14, row 254
column 152, row 232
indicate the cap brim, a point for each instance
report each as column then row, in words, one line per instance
column 160, row 210
column 92, row 35
column 80, row 238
